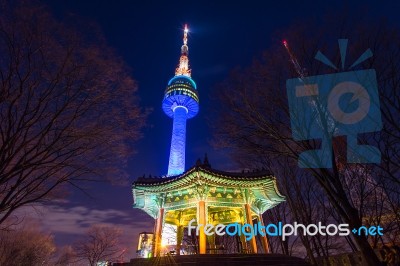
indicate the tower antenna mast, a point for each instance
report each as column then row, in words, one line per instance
column 183, row 67
column 294, row 61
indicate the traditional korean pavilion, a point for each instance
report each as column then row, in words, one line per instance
column 201, row 193
column 208, row 196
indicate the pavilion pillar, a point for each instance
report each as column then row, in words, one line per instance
column 158, row 237
column 179, row 237
column 264, row 238
column 252, row 241
column 201, row 220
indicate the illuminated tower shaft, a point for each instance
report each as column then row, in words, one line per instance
column 178, row 142
column 181, row 102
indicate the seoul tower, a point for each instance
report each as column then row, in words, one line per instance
column 181, row 102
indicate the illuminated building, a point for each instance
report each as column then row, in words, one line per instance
column 181, row 102
column 207, row 195
column 145, row 245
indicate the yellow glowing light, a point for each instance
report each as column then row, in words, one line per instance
column 183, row 67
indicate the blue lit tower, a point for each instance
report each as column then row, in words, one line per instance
column 181, row 102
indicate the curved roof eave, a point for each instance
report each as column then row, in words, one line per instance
column 186, row 179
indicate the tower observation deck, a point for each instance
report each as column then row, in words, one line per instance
column 181, row 102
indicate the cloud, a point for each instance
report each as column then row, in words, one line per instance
column 68, row 224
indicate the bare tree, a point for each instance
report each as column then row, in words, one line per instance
column 253, row 116
column 26, row 247
column 66, row 256
column 68, row 109
column 101, row 243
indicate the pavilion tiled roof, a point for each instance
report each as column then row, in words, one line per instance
column 249, row 175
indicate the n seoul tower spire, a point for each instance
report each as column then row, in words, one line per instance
column 181, row 102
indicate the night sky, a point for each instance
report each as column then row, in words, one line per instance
column 148, row 35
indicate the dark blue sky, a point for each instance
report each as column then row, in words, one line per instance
column 148, row 35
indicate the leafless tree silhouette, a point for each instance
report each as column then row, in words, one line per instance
column 25, row 246
column 68, row 110
column 100, row 244
column 252, row 119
